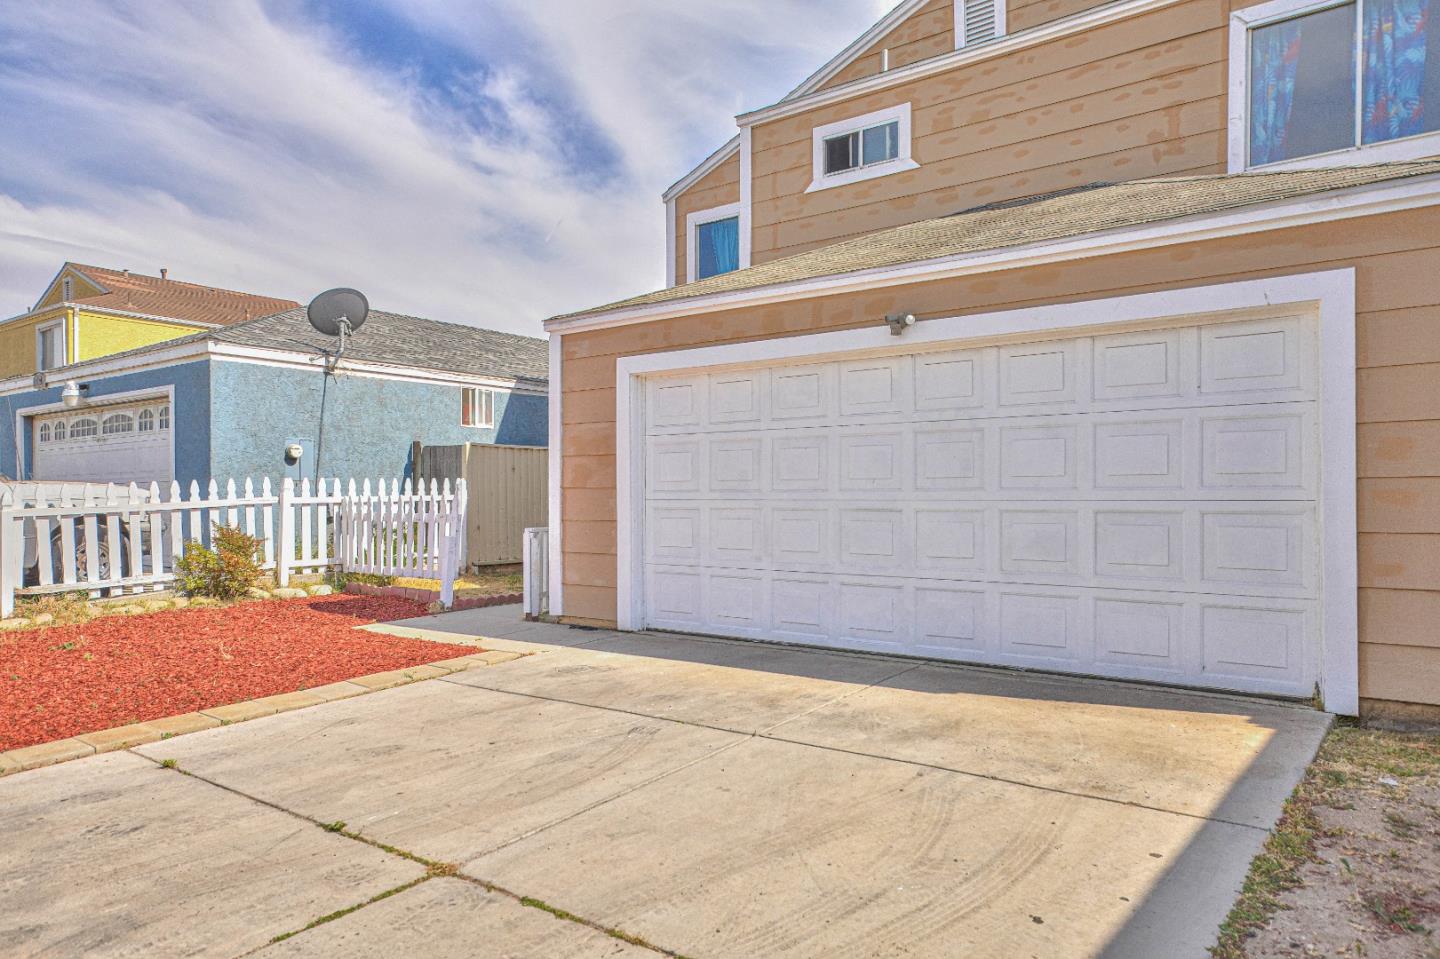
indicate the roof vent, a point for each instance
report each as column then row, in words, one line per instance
column 164, row 273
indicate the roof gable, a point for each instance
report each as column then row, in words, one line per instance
column 80, row 285
column 909, row 31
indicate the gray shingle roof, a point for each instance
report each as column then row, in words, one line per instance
column 398, row 340
column 1049, row 217
column 392, row 339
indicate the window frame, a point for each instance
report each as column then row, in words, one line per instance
column 694, row 221
column 902, row 161
column 41, row 330
column 469, row 395
column 1242, row 22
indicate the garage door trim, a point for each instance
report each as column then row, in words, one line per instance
column 1330, row 295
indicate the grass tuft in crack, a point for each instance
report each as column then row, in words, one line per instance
column 341, row 913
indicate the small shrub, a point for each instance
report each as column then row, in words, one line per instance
column 224, row 572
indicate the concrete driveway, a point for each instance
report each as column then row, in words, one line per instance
column 636, row 795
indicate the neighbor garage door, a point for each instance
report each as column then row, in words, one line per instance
column 105, row 444
column 1140, row 505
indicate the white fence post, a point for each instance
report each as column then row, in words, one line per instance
column 536, row 571
column 285, row 533
column 12, row 552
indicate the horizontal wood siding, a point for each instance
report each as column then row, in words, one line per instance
column 1024, row 14
column 1397, row 263
column 926, row 33
column 1136, row 98
column 716, row 188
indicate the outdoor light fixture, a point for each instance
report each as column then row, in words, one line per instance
column 899, row 322
column 73, row 394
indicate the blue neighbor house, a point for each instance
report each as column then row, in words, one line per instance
column 239, row 401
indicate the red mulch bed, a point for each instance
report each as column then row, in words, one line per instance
column 68, row 680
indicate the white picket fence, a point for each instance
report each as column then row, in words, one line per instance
column 122, row 540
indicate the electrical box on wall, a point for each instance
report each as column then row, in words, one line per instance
column 298, row 467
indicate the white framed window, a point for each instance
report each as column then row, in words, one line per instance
column 977, row 21
column 165, row 417
column 83, row 427
column 712, row 242
column 45, row 432
column 861, row 148
column 59, row 430
column 477, row 407
column 50, row 346
column 1333, row 83
column 145, row 421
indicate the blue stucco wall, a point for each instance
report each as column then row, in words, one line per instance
column 368, row 423
column 191, row 416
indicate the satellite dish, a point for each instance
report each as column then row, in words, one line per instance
column 338, row 312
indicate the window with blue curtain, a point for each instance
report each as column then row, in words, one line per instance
column 1308, row 94
column 717, row 247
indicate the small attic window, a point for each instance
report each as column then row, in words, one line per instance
column 67, row 289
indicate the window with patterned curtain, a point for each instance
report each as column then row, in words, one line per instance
column 1342, row 77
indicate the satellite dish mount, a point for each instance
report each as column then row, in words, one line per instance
column 339, row 312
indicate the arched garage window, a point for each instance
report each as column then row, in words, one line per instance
column 118, row 423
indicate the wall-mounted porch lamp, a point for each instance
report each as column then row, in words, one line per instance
column 74, row 394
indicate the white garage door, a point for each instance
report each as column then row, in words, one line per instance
column 106, row 444
column 1141, row 505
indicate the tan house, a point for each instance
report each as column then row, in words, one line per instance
column 1094, row 338
column 87, row 312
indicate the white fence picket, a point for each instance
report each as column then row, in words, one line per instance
column 128, row 539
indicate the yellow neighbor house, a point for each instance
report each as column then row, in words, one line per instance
column 88, row 312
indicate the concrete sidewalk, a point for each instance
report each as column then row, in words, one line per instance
column 637, row 795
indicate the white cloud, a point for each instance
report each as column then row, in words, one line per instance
column 258, row 147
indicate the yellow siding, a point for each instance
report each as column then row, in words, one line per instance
column 17, row 342
column 102, row 334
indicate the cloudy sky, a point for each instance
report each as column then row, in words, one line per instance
column 490, row 162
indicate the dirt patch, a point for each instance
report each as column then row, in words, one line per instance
column 489, row 583
column 1353, row 869
column 68, row 680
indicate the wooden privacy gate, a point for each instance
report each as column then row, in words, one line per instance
column 112, row 540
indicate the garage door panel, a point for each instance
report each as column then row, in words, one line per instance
column 874, row 461
column 1040, row 628
column 1143, row 635
column 1268, row 451
column 1149, row 365
column 873, row 614
column 1246, row 549
column 1148, row 455
column 802, row 393
column 1246, row 357
column 737, row 397
column 951, row 621
column 1040, row 457
column 1040, row 373
column 1141, row 505
column 955, row 380
column 875, row 386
